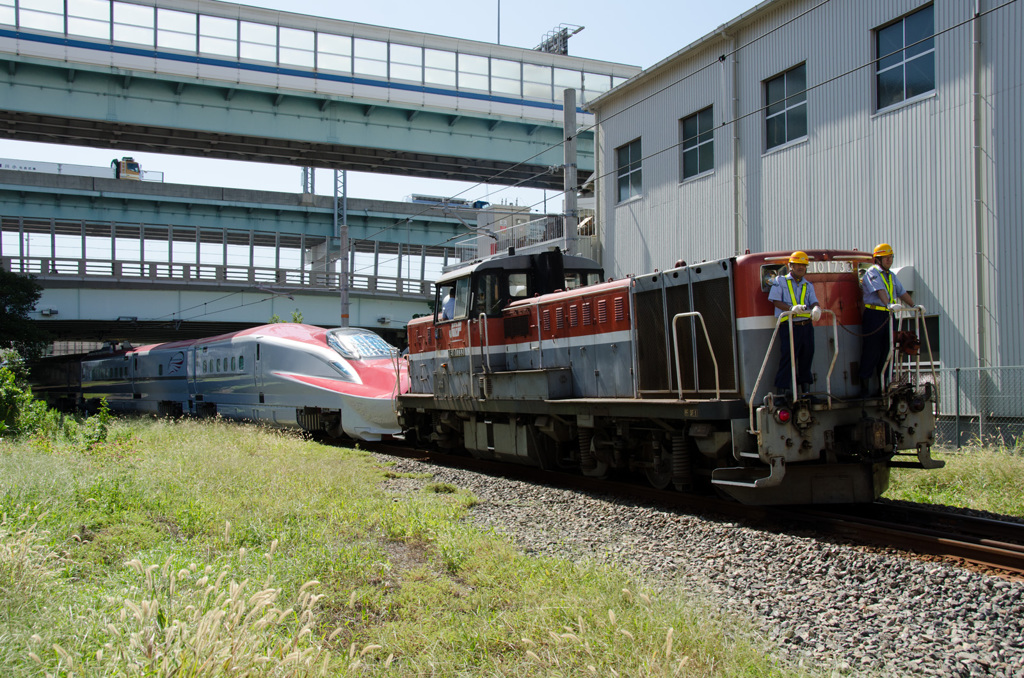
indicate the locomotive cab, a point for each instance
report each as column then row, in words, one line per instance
column 488, row 287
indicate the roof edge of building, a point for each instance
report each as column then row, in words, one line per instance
column 646, row 73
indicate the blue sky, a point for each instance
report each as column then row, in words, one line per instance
column 640, row 33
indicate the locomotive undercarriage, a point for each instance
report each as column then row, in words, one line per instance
column 830, row 452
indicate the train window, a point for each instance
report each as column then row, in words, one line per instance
column 461, row 298
column 518, row 287
column 241, row 363
column 159, row 370
column 488, row 295
column 577, row 279
column 768, row 274
column 356, row 344
column 204, row 367
column 218, row 364
column 233, row 368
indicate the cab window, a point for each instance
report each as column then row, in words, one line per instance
column 453, row 300
column 487, row 297
column 769, row 272
column 518, row 286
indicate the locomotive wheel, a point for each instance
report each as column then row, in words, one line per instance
column 600, row 471
column 659, row 480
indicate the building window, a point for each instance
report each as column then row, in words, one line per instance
column 698, row 143
column 785, row 117
column 906, row 58
column 628, row 162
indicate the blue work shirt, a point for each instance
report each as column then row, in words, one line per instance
column 874, row 283
column 780, row 292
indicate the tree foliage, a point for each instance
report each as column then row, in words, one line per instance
column 18, row 297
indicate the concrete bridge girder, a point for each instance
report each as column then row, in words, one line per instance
column 152, row 112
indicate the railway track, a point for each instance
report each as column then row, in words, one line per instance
column 991, row 544
column 986, row 542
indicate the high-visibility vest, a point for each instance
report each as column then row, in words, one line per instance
column 887, row 281
column 792, row 297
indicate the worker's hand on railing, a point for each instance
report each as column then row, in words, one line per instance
column 920, row 309
column 895, row 306
column 816, row 313
column 799, row 308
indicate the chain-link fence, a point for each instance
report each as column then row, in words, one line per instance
column 981, row 405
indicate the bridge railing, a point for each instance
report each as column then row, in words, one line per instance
column 130, row 252
column 533, row 235
column 292, row 43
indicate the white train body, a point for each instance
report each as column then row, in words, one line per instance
column 336, row 382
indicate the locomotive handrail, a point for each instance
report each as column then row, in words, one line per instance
column 828, row 379
column 917, row 312
column 675, row 347
column 485, row 342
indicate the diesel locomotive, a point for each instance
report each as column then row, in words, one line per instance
column 536, row 359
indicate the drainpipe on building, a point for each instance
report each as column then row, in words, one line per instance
column 980, row 231
column 730, row 94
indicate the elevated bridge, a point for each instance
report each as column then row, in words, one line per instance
column 139, row 261
column 221, row 80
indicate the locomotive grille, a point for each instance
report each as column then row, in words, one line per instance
column 574, row 315
column 712, row 299
column 679, row 302
column 517, row 325
column 650, row 341
column 602, row 311
column 587, row 313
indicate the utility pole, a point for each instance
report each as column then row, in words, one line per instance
column 572, row 214
column 341, row 231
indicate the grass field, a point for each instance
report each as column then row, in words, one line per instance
column 206, row 549
column 202, row 549
column 976, row 477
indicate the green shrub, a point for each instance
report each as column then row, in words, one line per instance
column 19, row 413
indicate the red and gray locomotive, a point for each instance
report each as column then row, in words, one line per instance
column 534, row 359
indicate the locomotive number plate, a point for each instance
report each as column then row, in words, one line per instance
column 830, row 267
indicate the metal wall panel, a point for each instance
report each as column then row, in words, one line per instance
column 907, row 175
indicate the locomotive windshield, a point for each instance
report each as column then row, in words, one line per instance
column 358, row 344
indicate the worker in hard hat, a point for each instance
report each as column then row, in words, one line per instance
column 793, row 295
column 882, row 293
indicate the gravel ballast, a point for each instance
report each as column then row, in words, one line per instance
column 830, row 607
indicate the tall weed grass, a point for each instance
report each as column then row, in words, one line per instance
column 203, row 548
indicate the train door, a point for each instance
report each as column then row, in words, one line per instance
column 257, row 370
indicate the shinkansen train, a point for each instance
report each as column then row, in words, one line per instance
column 534, row 359
column 334, row 382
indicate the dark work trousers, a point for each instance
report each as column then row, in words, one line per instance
column 803, row 347
column 874, row 347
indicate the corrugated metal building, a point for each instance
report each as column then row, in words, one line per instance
column 843, row 123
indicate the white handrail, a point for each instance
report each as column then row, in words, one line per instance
column 485, row 342
column 675, row 347
column 771, row 344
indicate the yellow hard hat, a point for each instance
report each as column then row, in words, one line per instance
column 799, row 257
column 883, row 250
